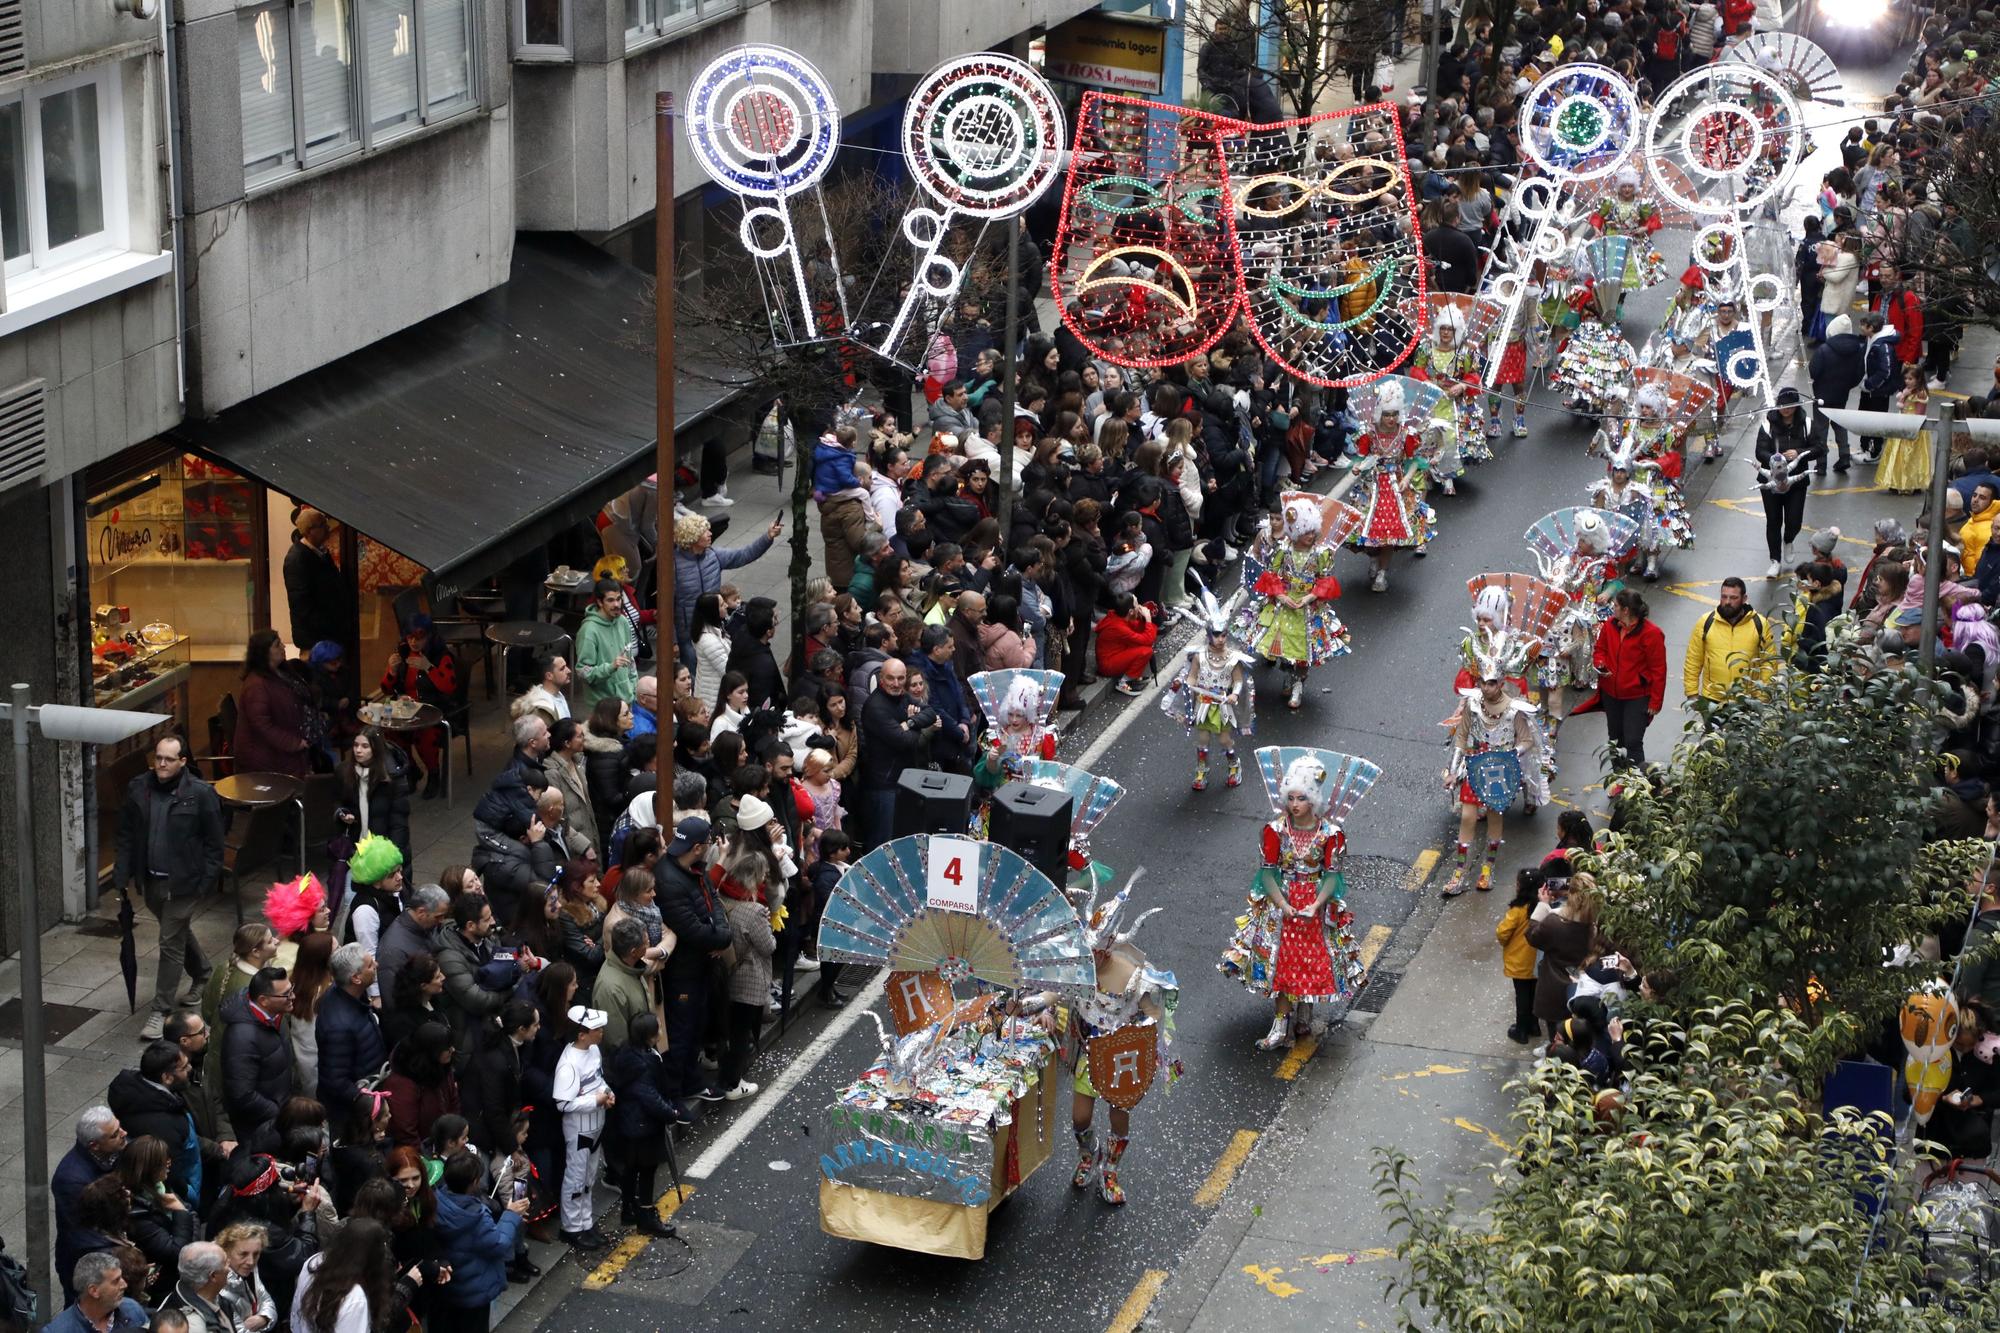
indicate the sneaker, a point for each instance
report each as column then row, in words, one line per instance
column 1448, row 486
column 1235, row 778
column 1379, row 581
column 1201, row 775
column 744, row 1088
column 717, row 501
column 1520, row 429
column 156, row 1027
column 1493, row 429
column 711, row 1093
column 806, row 963
column 1297, row 695
column 1344, row 462
column 1279, row 1035
column 1774, row 571
column 1937, row 384
column 1127, row 685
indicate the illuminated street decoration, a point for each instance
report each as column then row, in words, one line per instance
column 763, row 123
column 983, row 137
column 1175, row 222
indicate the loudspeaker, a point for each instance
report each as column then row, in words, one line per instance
column 928, row 802
column 1034, row 823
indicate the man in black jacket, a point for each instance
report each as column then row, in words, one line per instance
column 315, row 587
column 169, row 849
column 1836, row 370
column 148, row 1101
column 256, row 1057
column 751, row 654
column 696, row 917
column 889, row 744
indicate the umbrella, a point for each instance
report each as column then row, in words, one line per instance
column 128, row 952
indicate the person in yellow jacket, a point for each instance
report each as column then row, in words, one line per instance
column 1517, row 956
column 1725, row 643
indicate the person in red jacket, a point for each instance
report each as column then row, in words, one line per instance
column 1125, row 640
column 1902, row 311
column 1631, row 660
column 1736, row 16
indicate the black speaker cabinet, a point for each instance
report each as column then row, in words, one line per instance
column 1034, row 823
column 928, row 802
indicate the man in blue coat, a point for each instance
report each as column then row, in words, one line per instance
column 952, row 746
column 351, row 1047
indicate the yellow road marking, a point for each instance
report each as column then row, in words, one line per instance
column 1267, row 1278
column 1141, row 1300
column 1692, row 590
column 1226, row 1167
column 614, row 1263
column 1372, row 945
column 1349, row 1257
column 1295, row 1059
column 1420, row 869
column 628, row 1249
column 1474, row 1127
column 1429, row 1071
column 1742, row 507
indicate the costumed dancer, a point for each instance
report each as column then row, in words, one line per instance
column 1730, row 342
column 1496, row 753
column 1212, row 695
column 1683, row 335
column 1639, row 488
column 1130, row 1015
column 1594, row 365
column 1296, row 943
column 1509, row 342
column 1578, row 552
column 1649, row 431
column 1395, row 515
column 1287, row 614
column 1625, row 213
column 1019, row 704
column 1450, row 362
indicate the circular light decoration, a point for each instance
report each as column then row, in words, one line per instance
column 1809, row 72
column 1580, row 122
column 1714, row 247
column 762, row 121
column 1731, row 122
column 983, row 135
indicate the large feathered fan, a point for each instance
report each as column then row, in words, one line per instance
column 995, row 689
column 1346, row 778
column 1533, row 605
column 1091, row 796
column 1422, row 402
column 1024, row 934
column 1552, row 537
column 1687, row 397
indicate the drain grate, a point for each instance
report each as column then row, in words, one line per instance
column 61, row 1019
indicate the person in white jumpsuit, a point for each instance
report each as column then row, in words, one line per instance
column 582, row 1095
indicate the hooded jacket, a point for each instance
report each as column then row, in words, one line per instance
column 600, row 641
column 1880, row 372
column 1836, row 368
column 477, row 1245
column 147, row 1108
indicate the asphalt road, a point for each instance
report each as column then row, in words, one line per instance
column 1057, row 1259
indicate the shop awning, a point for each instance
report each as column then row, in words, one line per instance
column 490, row 428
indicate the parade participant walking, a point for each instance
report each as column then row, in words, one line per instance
column 1296, row 944
column 1212, row 694
column 1395, row 515
column 1577, row 552
column 1287, row 614
column 1496, row 754
column 1452, row 364
column 1638, row 487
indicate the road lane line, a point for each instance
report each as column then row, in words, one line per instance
column 1133, row 1311
column 1295, row 1059
column 1420, row 870
column 1226, row 1167
column 670, row 1203
column 1372, row 945
column 793, row 1074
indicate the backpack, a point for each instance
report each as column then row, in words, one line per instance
column 18, row 1302
column 1763, row 631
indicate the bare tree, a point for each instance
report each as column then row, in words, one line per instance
column 1951, row 253
column 1320, row 44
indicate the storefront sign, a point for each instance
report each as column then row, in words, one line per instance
column 1107, row 51
column 918, row 1159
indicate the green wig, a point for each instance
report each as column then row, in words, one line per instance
column 374, row 858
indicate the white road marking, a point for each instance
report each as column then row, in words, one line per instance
column 793, row 1074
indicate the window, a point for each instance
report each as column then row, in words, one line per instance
column 320, row 78
column 647, row 19
column 541, row 28
column 62, row 187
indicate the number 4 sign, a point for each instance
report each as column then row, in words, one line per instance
column 951, row 879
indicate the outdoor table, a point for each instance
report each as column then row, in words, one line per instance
column 255, row 792
column 426, row 717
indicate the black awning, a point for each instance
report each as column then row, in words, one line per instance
column 489, row 428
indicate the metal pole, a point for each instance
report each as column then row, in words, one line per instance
column 1934, row 555
column 1009, row 358
column 664, row 462
column 34, row 1033
column 1430, row 78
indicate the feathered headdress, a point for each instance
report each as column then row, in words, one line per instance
column 1499, row 654
column 291, row 906
column 374, row 859
column 1023, row 702
column 1204, row 609
column 1624, row 457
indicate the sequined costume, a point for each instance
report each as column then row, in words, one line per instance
column 1213, row 694
column 1395, row 513
column 1445, row 367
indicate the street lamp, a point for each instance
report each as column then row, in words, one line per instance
column 58, row 722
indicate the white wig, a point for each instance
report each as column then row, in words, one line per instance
column 1389, row 399
column 1592, row 533
column 1654, row 397
column 1302, row 519
column 1450, row 317
column 1306, row 777
column 1628, row 176
column 1492, row 604
column 1023, row 702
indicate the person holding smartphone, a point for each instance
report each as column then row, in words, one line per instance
column 423, row 667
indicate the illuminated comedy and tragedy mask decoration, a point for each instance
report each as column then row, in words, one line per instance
column 1930, row 1022
column 1175, row 222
